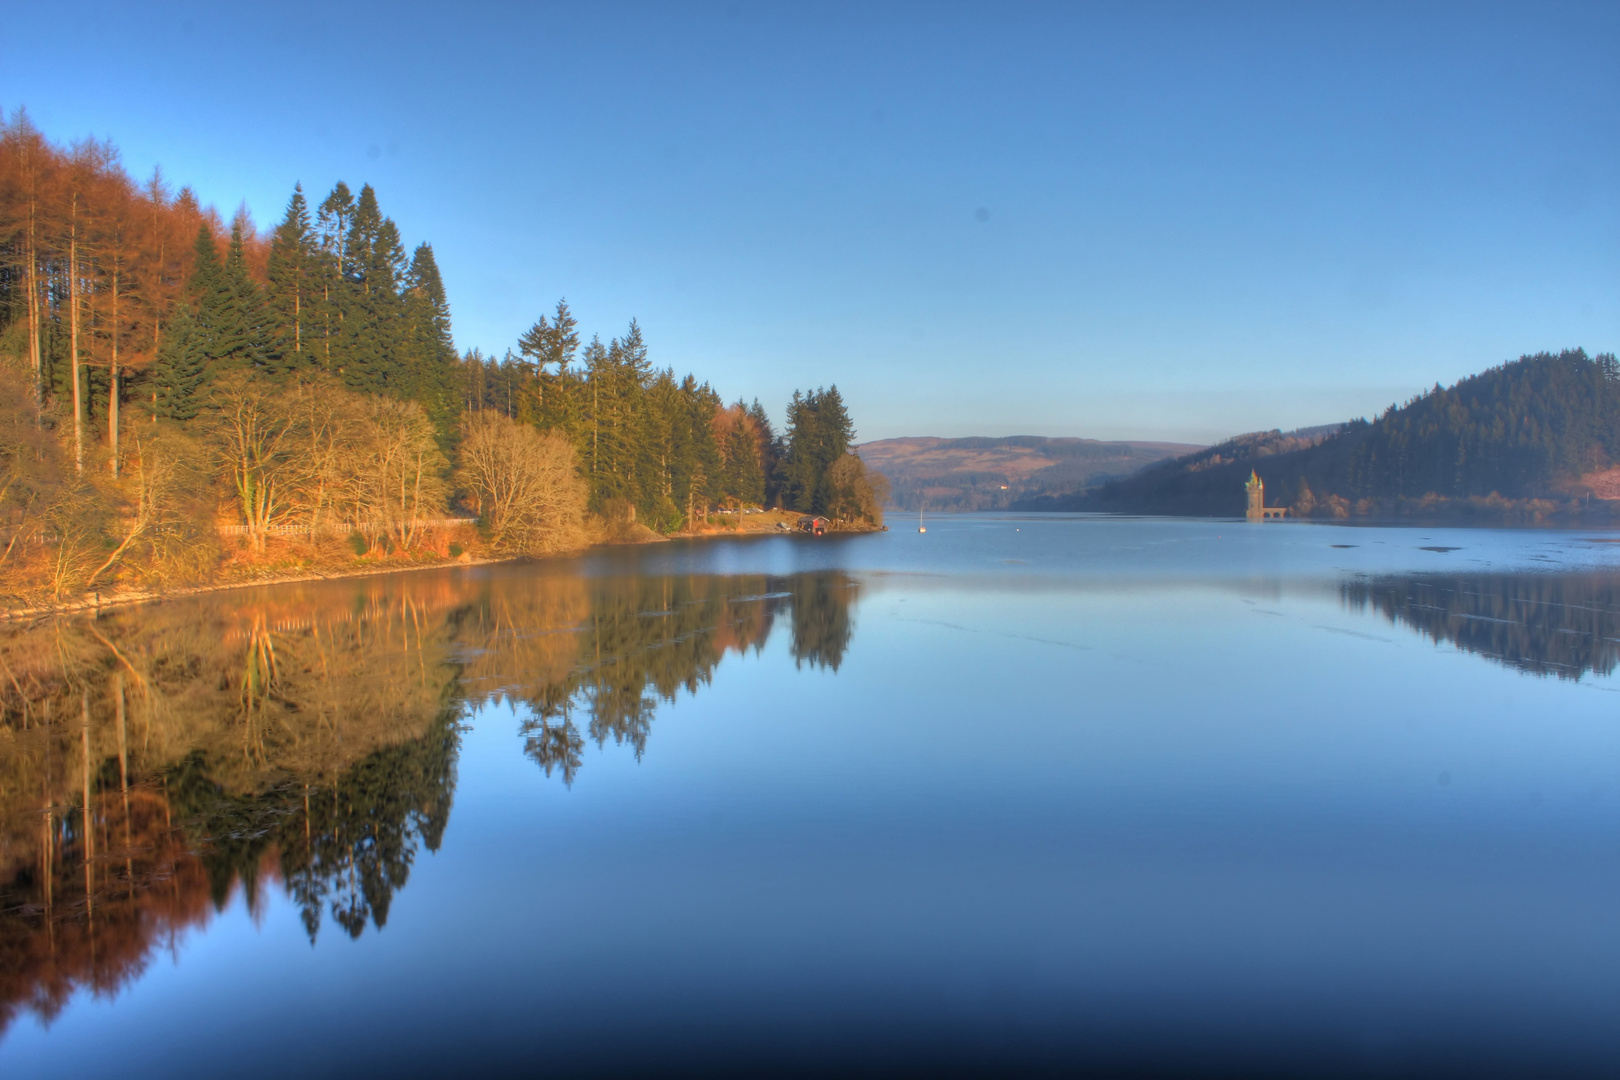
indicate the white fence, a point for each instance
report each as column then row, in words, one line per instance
column 338, row 528
column 344, row 528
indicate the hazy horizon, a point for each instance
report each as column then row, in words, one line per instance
column 1165, row 222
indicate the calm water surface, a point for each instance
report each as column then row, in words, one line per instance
column 1022, row 793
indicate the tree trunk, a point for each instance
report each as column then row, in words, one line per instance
column 156, row 299
column 33, row 300
column 73, row 335
column 112, row 379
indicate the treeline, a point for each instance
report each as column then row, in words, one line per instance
column 165, row 369
column 1517, row 439
column 669, row 446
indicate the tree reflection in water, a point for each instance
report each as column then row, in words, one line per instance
column 1566, row 625
column 157, row 760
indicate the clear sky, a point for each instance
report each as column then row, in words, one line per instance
column 1112, row 220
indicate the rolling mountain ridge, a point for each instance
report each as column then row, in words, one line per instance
column 958, row 475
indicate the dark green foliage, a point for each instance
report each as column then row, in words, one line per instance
column 1523, row 430
column 770, row 454
column 547, row 349
column 819, row 432
column 618, row 377
column 744, row 469
column 220, row 331
column 178, row 374
column 372, row 309
column 231, row 325
column 427, row 352
column 342, row 298
column 1513, row 430
column 293, row 295
column 332, row 237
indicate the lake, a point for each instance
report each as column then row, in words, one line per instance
column 1020, row 794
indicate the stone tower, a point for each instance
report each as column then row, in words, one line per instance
column 1257, row 497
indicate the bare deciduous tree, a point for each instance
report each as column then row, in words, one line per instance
column 853, row 493
column 526, row 483
column 257, row 438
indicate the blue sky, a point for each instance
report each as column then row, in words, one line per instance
column 1128, row 220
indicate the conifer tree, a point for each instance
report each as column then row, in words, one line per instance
column 181, row 367
column 332, row 237
column 220, row 329
column 545, row 344
column 770, row 453
column 739, row 443
column 294, row 274
column 819, row 433
column 429, row 351
column 250, row 302
column 619, row 377
column 371, row 319
column 705, row 474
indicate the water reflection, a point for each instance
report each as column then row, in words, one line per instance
column 1565, row 624
column 157, row 761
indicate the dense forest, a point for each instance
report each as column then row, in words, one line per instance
column 1531, row 439
column 165, row 759
column 184, row 398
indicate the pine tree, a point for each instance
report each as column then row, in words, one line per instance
column 739, row 443
column 250, row 302
column 220, row 330
column 705, row 472
column 429, row 353
column 770, row 454
column 181, row 367
column 619, row 377
column 332, row 237
column 371, row 319
column 294, row 280
column 819, row 433
column 545, row 344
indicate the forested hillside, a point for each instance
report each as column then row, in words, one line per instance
column 994, row 474
column 1532, row 438
column 184, row 398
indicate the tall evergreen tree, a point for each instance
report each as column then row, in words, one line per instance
column 543, row 345
column 180, row 369
column 770, row 453
column 250, row 301
column 374, row 264
column 619, row 375
column 332, row 237
column 705, row 476
column 220, row 328
column 429, row 353
column 819, row 433
column 294, row 297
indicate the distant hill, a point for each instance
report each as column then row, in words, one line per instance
column 1534, row 438
column 994, row 474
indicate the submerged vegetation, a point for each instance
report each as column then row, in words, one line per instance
column 182, row 399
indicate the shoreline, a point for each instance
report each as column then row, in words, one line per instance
column 98, row 602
